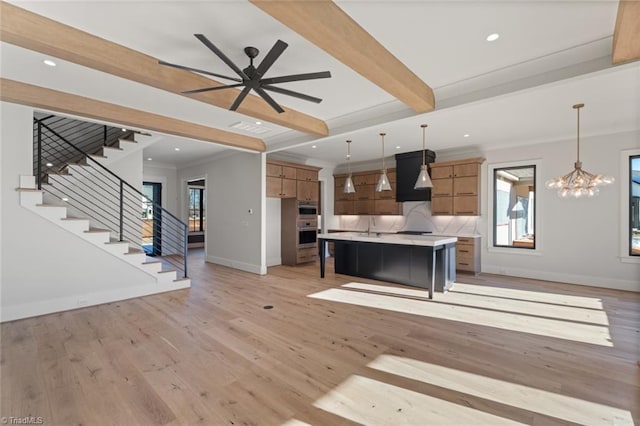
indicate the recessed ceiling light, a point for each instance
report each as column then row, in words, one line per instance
column 466, row 135
column 149, row 159
column 397, row 146
column 65, row 199
column 124, row 130
column 49, row 62
column 49, row 165
column 258, row 122
column 177, row 149
column 493, row 37
column 313, row 146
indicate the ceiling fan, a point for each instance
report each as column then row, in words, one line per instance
column 252, row 78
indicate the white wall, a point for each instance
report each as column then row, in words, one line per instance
column 577, row 240
column 45, row 268
column 235, row 185
column 273, row 231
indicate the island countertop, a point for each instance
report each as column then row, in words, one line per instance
column 402, row 239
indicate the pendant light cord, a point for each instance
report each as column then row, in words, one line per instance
column 383, row 168
column 349, row 157
column 577, row 107
column 424, row 161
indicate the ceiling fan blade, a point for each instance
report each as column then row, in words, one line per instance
column 271, row 57
column 240, row 98
column 197, row 70
column 208, row 89
column 296, row 77
column 222, row 56
column 292, row 93
column 269, row 99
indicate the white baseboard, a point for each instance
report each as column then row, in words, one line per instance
column 27, row 310
column 602, row 282
column 243, row 266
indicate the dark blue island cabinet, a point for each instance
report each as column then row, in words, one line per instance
column 415, row 263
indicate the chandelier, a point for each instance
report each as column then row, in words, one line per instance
column 578, row 183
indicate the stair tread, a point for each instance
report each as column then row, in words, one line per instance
column 74, row 218
column 113, row 147
column 133, row 250
column 166, row 271
column 51, row 205
column 182, row 279
column 96, row 230
column 117, row 242
column 28, row 190
column 151, row 262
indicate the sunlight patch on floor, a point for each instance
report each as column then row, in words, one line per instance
column 516, row 395
column 372, row 402
column 488, row 301
column 586, row 333
column 532, row 296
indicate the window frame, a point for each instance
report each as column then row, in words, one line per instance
column 625, row 203
column 491, row 204
column 189, row 209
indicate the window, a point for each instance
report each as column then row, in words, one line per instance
column 634, row 205
column 514, row 210
column 196, row 209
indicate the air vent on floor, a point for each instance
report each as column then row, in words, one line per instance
column 256, row 129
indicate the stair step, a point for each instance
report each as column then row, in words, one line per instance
column 182, row 279
column 28, row 190
column 93, row 230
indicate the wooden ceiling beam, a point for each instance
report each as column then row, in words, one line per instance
column 53, row 100
column 35, row 32
column 327, row 26
column 626, row 36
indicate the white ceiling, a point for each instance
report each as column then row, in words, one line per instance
column 503, row 93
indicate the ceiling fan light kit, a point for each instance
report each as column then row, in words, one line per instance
column 251, row 78
column 423, row 181
column 578, row 183
column 383, row 180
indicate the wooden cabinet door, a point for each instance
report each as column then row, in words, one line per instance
column 441, row 172
column 363, row 207
column 343, row 207
column 339, row 195
column 442, row 188
column 274, row 170
column 469, row 169
column 465, row 205
column 364, row 192
column 308, row 175
column 289, row 172
column 385, row 195
column 441, row 206
column 465, row 186
column 387, row 207
column 366, row 179
column 274, row 187
column 307, row 190
column 288, row 188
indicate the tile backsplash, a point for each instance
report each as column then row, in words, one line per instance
column 416, row 217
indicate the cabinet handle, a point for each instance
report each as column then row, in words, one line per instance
column 465, row 193
column 465, row 264
column 464, row 251
column 465, row 212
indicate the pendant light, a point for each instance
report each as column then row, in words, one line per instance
column 423, row 181
column 383, row 180
column 578, row 183
column 349, row 187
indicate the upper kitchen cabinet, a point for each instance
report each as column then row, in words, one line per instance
column 456, row 187
column 290, row 180
column 366, row 201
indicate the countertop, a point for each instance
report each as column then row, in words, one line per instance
column 416, row 240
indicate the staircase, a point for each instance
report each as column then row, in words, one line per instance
column 77, row 192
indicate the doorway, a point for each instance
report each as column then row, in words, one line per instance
column 197, row 212
column 152, row 218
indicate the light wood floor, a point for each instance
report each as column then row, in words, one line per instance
column 495, row 350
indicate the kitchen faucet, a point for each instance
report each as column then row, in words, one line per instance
column 371, row 219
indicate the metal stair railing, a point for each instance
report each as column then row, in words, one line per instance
column 105, row 198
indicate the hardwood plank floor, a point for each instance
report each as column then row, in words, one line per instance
column 339, row 350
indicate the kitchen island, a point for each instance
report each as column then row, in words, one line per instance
column 425, row 261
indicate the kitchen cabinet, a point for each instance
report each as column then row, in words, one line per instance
column 456, row 187
column 468, row 254
column 366, row 201
column 283, row 181
column 307, row 190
